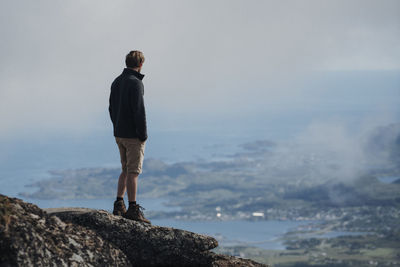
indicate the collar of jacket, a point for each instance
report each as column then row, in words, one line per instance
column 133, row 72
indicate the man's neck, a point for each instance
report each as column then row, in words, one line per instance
column 136, row 69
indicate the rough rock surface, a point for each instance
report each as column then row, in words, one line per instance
column 30, row 236
column 149, row 245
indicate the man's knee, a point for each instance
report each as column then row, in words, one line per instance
column 132, row 175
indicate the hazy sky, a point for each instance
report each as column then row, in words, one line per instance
column 58, row 58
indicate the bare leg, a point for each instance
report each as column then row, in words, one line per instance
column 122, row 184
column 131, row 185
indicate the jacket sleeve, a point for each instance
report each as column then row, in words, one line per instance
column 139, row 111
column 110, row 107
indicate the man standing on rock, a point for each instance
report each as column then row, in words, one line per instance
column 128, row 116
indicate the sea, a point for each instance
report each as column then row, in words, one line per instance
column 24, row 161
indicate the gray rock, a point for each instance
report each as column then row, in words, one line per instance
column 30, row 237
column 149, row 245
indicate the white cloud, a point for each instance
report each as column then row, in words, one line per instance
column 59, row 57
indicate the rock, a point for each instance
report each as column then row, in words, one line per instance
column 30, row 237
column 86, row 237
column 149, row 245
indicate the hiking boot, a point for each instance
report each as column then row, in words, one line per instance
column 119, row 208
column 135, row 213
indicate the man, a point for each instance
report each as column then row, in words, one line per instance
column 129, row 121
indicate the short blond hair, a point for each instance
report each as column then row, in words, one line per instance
column 134, row 59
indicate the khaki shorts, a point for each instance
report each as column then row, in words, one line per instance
column 131, row 151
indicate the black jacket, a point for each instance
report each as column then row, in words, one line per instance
column 127, row 106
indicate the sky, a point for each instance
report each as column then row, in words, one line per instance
column 204, row 59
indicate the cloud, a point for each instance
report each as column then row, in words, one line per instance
column 59, row 57
column 333, row 151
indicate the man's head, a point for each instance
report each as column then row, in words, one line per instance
column 134, row 60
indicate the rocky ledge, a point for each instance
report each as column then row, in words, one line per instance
column 30, row 236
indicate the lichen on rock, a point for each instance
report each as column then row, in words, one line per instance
column 30, row 236
column 33, row 238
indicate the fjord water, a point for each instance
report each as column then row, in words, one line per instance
column 30, row 160
column 25, row 159
column 263, row 234
column 27, row 162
